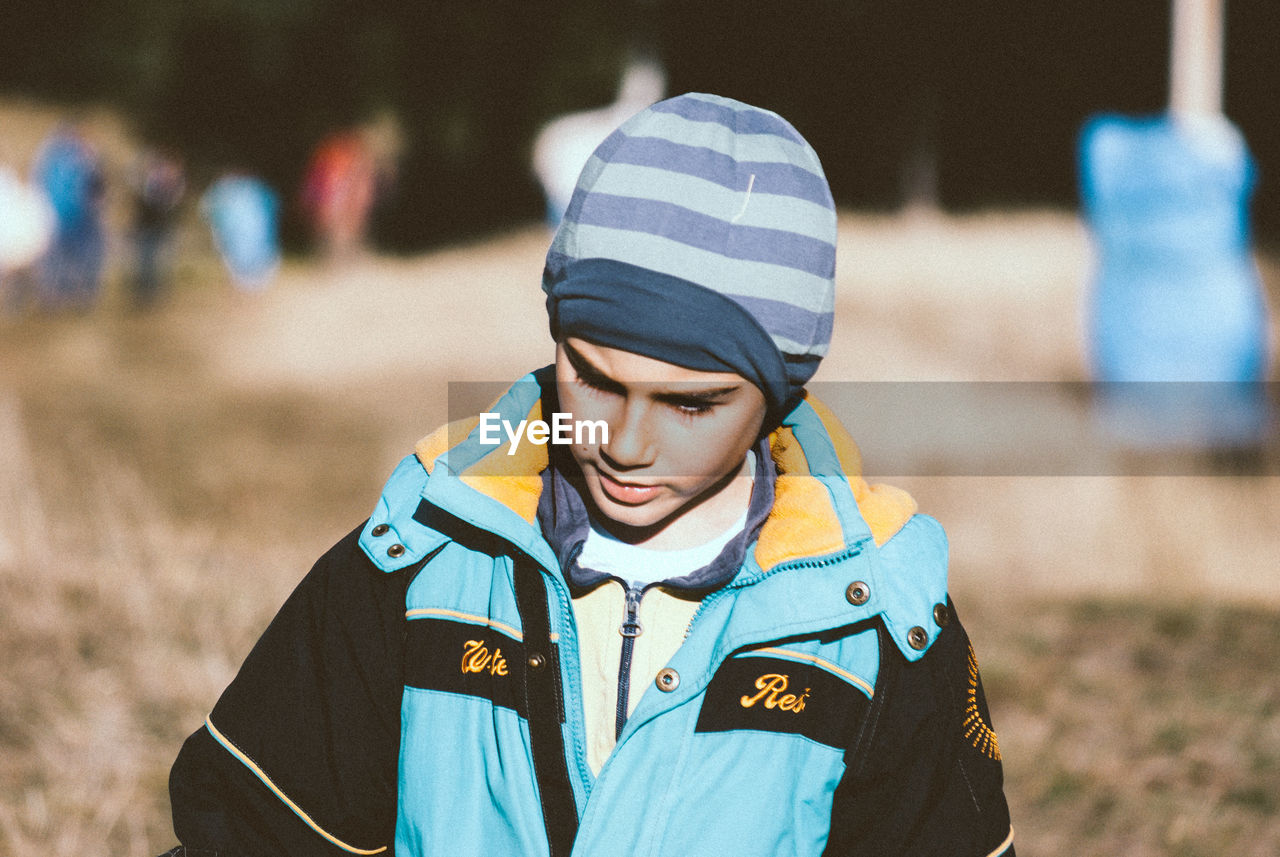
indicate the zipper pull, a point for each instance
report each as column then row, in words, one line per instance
column 631, row 621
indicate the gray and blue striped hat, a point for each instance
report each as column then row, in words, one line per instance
column 701, row 233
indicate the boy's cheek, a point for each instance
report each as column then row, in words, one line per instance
column 587, row 410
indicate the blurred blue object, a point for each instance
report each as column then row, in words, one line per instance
column 69, row 170
column 1176, row 296
column 243, row 212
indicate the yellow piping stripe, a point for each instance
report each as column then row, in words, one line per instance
column 818, row 662
column 1003, row 846
column 251, row 765
column 466, row 617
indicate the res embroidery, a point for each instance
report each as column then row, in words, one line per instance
column 771, row 687
column 476, row 658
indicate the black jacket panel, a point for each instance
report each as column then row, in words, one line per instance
column 926, row 778
column 300, row 754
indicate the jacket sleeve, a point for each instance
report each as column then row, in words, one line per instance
column 300, row 754
column 925, row 776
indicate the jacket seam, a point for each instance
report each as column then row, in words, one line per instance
column 470, row 618
column 821, row 663
column 248, row 761
column 871, row 723
column 951, row 696
column 1004, row 846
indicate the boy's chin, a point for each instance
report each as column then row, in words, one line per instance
column 636, row 520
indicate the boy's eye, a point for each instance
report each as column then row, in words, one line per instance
column 685, row 407
column 693, row 407
column 596, row 386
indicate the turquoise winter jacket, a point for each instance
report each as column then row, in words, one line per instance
column 419, row 692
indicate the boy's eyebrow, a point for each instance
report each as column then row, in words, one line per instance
column 586, row 370
column 590, row 373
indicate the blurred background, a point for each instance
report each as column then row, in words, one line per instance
column 246, row 247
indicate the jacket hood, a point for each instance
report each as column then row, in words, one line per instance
column 826, row 523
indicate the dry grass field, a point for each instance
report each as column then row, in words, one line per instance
column 166, row 478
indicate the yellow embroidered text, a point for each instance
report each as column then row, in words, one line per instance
column 476, row 658
column 771, row 687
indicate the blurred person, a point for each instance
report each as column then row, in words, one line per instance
column 26, row 230
column 696, row 630
column 1177, row 321
column 69, row 170
column 242, row 213
column 338, row 193
column 157, row 184
column 562, row 147
column 384, row 137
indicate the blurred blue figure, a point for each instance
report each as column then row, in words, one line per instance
column 69, row 171
column 242, row 212
column 1176, row 295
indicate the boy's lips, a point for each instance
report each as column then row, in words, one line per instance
column 627, row 493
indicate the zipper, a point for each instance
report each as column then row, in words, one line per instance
column 846, row 554
column 629, row 629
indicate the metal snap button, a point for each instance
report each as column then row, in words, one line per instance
column 667, row 680
column 395, row 551
column 858, row 593
column 941, row 615
column 380, row 530
column 917, row 638
column 537, row 660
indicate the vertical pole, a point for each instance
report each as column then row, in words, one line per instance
column 1195, row 58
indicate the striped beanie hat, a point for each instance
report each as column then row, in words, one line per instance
column 702, row 233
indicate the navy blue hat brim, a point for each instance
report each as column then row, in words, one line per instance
column 624, row 306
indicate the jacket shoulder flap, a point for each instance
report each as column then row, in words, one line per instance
column 910, row 582
column 392, row 537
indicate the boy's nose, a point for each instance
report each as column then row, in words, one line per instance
column 630, row 446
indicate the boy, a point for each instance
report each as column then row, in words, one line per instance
column 682, row 625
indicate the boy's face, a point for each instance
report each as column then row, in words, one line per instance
column 677, row 436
